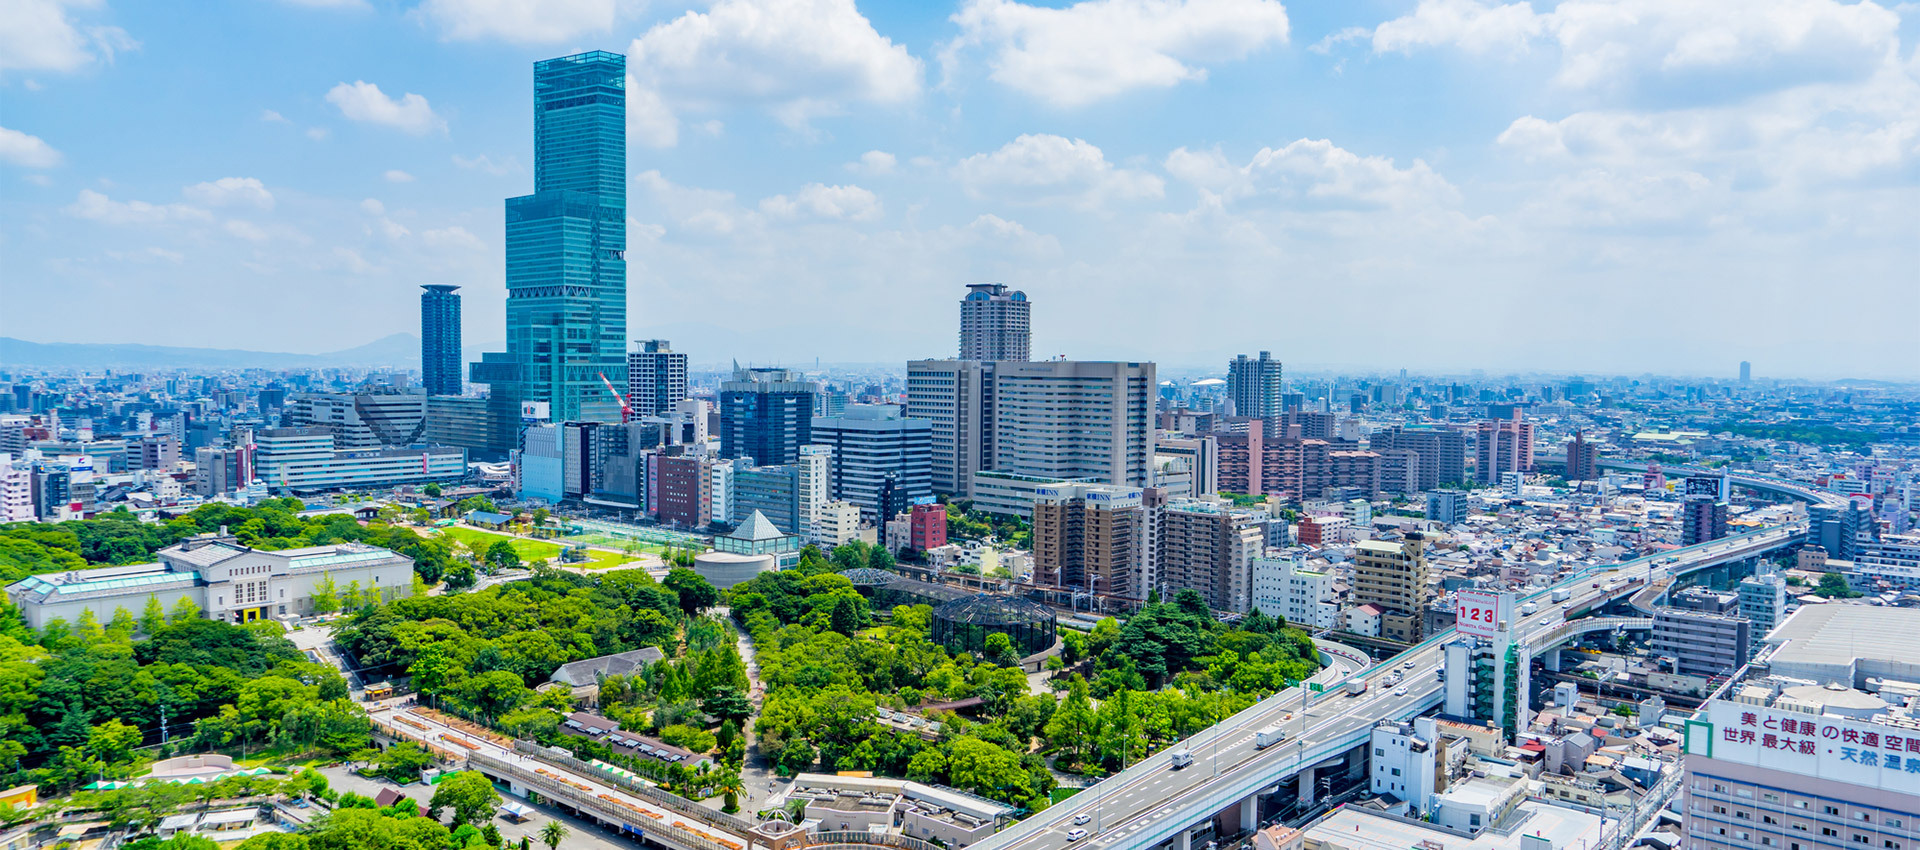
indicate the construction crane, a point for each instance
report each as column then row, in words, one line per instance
column 626, row 410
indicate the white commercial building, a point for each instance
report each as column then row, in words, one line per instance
column 839, row 523
column 304, row 459
column 1284, row 587
column 225, row 580
column 16, row 490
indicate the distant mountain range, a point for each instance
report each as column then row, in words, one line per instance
column 401, row 350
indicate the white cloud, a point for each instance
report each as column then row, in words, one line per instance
column 328, row 4
column 363, row 101
column 26, row 151
column 486, row 164
column 246, row 230
column 847, row 202
column 522, row 21
column 705, row 211
column 650, row 121
column 372, row 206
column 318, row 134
column 1047, row 168
column 874, row 162
column 395, row 175
column 272, row 117
column 40, row 36
column 95, row 206
column 453, row 238
column 1098, row 49
column 1705, row 49
column 798, row 58
column 231, row 191
column 1315, row 173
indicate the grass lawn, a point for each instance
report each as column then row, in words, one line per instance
column 609, row 541
column 479, row 541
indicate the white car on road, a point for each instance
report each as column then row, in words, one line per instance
column 1081, row 819
column 1076, row 834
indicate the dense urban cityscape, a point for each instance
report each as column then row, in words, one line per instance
column 591, row 590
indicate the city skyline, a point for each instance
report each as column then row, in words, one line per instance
column 799, row 202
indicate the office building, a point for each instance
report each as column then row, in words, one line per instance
column 566, row 268
column 1819, row 748
column 1071, row 419
column 469, row 423
column 1489, row 680
column 952, row 396
column 1702, row 644
column 681, row 490
column 1285, row 587
column 1208, row 547
column 656, row 378
column 1746, row 372
column 994, row 323
column 358, row 421
column 298, row 460
column 1254, row 385
column 1393, row 575
column 217, row 472
column 619, row 455
column 1583, row 458
column 839, row 523
column 226, row 581
column 1090, row 538
column 439, row 340
column 1892, row 562
column 927, row 526
column 1841, row 530
column 876, row 448
column 767, row 415
column 1504, row 445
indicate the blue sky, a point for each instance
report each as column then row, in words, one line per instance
column 1430, row 184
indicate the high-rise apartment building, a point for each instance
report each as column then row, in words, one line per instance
column 994, row 323
column 767, row 415
column 1702, row 518
column 1202, row 456
column 874, row 448
column 1393, row 576
column 1208, row 547
column 1090, row 538
column 1763, row 601
column 16, row 490
column 1254, row 385
column 1447, row 507
column 566, row 250
column 656, row 377
column 1746, row 372
column 439, row 339
column 1505, row 445
column 1583, row 458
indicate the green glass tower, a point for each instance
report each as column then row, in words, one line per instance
column 566, row 249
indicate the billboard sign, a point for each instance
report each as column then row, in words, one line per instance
column 1825, row 747
column 535, row 411
column 1482, row 613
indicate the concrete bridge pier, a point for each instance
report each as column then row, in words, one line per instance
column 1552, row 659
column 1249, row 813
column 1307, row 786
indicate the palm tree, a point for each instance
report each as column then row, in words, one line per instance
column 552, row 834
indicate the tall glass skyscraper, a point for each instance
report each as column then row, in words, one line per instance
column 566, row 248
column 440, row 339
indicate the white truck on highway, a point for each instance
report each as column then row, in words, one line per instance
column 1269, row 736
column 1562, row 594
column 1356, row 687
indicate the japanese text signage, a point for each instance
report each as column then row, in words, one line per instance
column 1830, row 748
column 1482, row 614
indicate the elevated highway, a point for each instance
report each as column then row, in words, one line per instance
column 1150, row 803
